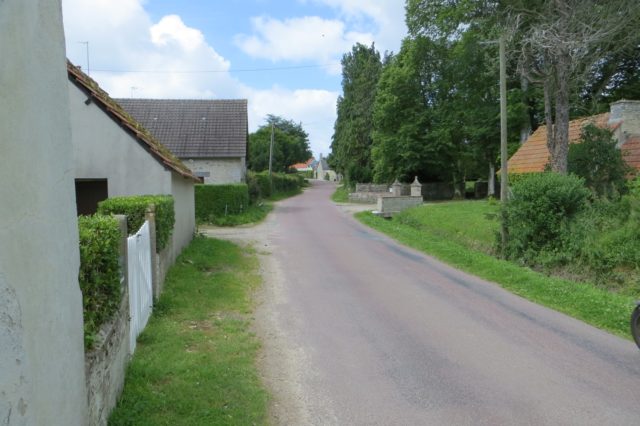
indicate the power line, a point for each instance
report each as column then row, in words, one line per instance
column 212, row 71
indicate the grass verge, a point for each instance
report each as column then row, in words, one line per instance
column 195, row 363
column 255, row 213
column 341, row 194
column 596, row 306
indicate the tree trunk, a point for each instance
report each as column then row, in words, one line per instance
column 561, row 128
column 525, row 131
column 548, row 117
column 491, row 191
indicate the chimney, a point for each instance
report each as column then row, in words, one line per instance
column 626, row 115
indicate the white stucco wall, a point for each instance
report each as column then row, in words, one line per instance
column 42, row 380
column 221, row 170
column 184, row 202
column 104, row 150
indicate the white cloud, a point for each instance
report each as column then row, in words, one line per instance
column 315, row 109
column 123, row 37
column 300, row 39
column 387, row 15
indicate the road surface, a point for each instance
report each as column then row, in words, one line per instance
column 362, row 331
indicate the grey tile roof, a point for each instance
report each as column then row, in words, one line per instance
column 194, row 128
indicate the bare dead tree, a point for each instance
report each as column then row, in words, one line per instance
column 558, row 42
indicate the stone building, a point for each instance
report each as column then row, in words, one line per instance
column 209, row 136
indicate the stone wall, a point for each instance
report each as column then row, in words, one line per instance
column 371, row 187
column 440, row 191
column 390, row 204
column 42, row 377
column 218, row 170
column 106, row 365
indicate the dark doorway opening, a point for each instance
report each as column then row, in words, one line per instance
column 89, row 192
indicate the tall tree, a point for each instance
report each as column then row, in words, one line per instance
column 291, row 145
column 351, row 144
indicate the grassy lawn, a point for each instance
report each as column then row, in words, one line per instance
column 461, row 234
column 195, row 363
column 341, row 194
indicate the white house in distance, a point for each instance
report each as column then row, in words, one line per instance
column 209, row 136
column 324, row 172
column 115, row 156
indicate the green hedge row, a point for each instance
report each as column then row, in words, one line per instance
column 99, row 275
column 134, row 207
column 263, row 186
column 220, row 200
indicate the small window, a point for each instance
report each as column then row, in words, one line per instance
column 89, row 192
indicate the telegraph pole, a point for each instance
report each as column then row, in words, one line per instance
column 271, row 150
column 504, row 177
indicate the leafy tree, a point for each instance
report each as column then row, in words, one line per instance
column 598, row 161
column 291, row 145
column 351, row 144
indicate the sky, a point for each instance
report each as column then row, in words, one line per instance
column 281, row 55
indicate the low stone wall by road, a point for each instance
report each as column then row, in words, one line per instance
column 389, row 204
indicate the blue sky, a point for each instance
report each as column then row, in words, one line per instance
column 283, row 56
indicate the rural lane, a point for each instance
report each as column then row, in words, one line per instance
column 360, row 330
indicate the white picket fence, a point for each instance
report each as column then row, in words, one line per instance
column 140, row 286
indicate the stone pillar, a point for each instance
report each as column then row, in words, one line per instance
column 396, row 188
column 416, row 188
column 42, row 377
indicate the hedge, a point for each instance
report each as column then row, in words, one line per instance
column 134, row 207
column 99, row 275
column 263, row 186
column 220, row 200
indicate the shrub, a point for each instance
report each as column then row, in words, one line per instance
column 598, row 161
column 220, row 200
column 538, row 214
column 99, row 274
column 134, row 207
column 263, row 186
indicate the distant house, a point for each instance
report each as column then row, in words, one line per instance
column 324, row 172
column 624, row 120
column 115, row 156
column 304, row 167
column 209, row 136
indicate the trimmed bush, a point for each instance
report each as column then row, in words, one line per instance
column 134, row 207
column 220, row 200
column 99, row 275
column 261, row 186
column 539, row 212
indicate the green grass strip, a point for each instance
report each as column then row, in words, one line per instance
column 596, row 306
column 341, row 194
column 195, row 363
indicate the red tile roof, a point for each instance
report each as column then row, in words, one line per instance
column 303, row 165
column 533, row 155
column 120, row 116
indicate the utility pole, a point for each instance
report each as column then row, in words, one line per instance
column 271, row 150
column 504, row 189
column 86, row 43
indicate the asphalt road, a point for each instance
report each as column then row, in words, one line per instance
column 389, row 336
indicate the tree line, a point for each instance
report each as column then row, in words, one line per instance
column 432, row 109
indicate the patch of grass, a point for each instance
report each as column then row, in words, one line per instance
column 594, row 305
column 254, row 214
column 472, row 224
column 341, row 194
column 195, row 363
